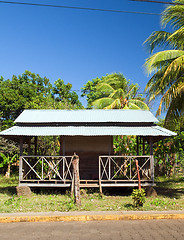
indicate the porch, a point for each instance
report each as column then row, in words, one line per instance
column 113, row 171
column 89, row 133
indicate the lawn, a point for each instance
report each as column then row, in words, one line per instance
column 170, row 197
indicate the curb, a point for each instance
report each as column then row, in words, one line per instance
column 114, row 217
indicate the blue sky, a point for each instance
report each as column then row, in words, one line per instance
column 76, row 45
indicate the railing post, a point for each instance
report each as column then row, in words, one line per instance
column 20, row 169
column 130, row 168
column 42, row 168
column 100, row 183
column 64, row 159
column 109, row 168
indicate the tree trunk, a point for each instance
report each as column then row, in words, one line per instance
column 7, row 174
column 76, row 180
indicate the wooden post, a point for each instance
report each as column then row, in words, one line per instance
column 151, row 160
column 100, row 183
column 60, row 143
column 137, row 145
column 138, row 175
column 63, row 146
column 143, row 146
column 76, row 179
column 29, row 146
column 36, row 144
column 20, row 161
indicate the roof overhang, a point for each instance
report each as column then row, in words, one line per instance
column 16, row 132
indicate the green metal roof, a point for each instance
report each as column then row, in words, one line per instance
column 85, row 123
column 85, row 116
column 86, row 131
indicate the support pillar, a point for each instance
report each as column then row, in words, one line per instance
column 20, row 160
column 76, row 180
column 60, row 143
column 137, row 138
column 143, row 149
column 36, row 144
column 151, row 160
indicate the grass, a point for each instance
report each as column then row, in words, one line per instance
column 170, row 197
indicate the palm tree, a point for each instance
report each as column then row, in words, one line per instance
column 120, row 94
column 168, row 65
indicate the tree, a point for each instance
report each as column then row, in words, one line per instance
column 29, row 91
column 90, row 92
column 115, row 92
column 63, row 93
column 8, row 161
column 167, row 81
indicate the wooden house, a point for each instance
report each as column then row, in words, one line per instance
column 89, row 134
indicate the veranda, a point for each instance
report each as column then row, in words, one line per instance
column 89, row 134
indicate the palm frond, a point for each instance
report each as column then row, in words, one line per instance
column 177, row 39
column 157, row 39
column 174, row 15
column 139, row 103
column 105, row 88
column 118, row 94
column 102, row 103
column 132, row 91
column 160, row 59
column 131, row 105
column 174, row 92
column 174, row 69
column 175, row 111
column 116, row 104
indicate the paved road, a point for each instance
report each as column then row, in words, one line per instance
column 104, row 230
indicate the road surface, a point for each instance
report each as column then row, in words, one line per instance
column 95, row 230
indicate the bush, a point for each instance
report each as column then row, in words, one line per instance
column 138, row 197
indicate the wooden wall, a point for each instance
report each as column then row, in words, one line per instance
column 88, row 149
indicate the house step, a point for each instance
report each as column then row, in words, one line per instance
column 84, row 185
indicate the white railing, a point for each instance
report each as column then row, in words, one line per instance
column 124, row 168
column 45, row 168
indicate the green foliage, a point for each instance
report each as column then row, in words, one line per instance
column 138, row 196
column 167, row 82
column 125, row 144
column 170, row 197
column 7, row 161
column 89, row 90
column 113, row 91
column 15, row 201
column 29, row 90
column 162, row 203
column 169, row 155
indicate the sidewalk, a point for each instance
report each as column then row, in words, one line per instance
column 89, row 216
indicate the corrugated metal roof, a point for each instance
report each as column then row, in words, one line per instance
column 86, row 131
column 68, row 116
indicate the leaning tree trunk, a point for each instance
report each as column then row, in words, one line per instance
column 7, row 174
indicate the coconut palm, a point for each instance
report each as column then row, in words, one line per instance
column 119, row 95
column 168, row 65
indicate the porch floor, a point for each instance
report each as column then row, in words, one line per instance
column 86, row 183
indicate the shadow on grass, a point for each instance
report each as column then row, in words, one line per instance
column 10, row 191
column 170, row 192
column 172, row 188
column 117, row 191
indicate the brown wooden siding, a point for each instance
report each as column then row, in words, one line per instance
column 88, row 149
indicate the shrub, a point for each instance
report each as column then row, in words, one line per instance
column 138, row 196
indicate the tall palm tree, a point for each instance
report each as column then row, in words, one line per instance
column 120, row 94
column 168, row 65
